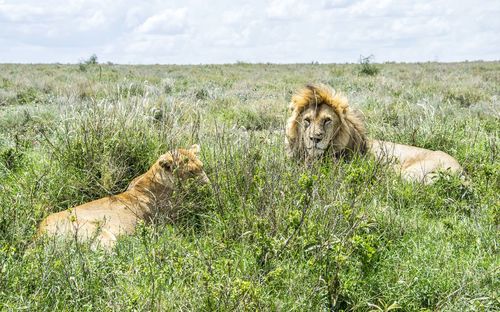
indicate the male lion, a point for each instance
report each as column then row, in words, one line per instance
column 108, row 217
column 322, row 124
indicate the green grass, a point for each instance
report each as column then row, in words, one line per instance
column 269, row 234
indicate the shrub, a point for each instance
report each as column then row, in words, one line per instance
column 27, row 96
column 92, row 60
column 84, row 64
column 465, row 98
column 366, row 67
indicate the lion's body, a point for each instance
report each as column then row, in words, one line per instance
column 104, row 218
column 112, row 216
column 414, row 163
column 322, row 124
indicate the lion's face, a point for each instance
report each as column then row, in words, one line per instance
column 321, row 121
column 319, row 125
column 183, row 164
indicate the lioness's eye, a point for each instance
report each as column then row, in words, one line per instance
column 307, row 121
column 328, row 121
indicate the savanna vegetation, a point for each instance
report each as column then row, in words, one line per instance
column 268, row 233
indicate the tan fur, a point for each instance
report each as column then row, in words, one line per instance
column 108, row 218
column 310, row 137
column 414, row 163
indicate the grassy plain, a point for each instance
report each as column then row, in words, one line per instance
column 269, row 234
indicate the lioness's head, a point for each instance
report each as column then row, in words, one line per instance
column 322, row 124
column 183, row 164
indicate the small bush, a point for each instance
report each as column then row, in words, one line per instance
column 366, row 67
column 84, row 64
column 28, row 95
column 5, row 83
column 465, row 98
column 255, row 120
column 92, row 60
column 168, row 85
column 10, row 158
column 201, row 94
column 7, row 97
column 82, row 67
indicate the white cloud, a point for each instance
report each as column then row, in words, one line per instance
column 134, row 17
column 16, row 13
column 237, row 17
column 335, row 4
column 98, row 19
column 372, row 8
column 160, row 44
column 169, row 21
column 286, row 9
column 418, row 27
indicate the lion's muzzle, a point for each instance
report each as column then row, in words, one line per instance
column 204, row 178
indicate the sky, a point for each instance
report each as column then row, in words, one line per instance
column 257, row 31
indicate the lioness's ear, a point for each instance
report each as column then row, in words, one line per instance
column 195, row 149
column 167, row 162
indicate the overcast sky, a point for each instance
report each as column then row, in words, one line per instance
column 226, row 31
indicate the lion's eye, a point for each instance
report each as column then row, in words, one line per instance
column 307, row 122
column 328, row 121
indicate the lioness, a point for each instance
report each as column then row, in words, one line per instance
column 112, row 216
column 322, row 124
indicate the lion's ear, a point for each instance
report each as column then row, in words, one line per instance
column 195, row 149
column 167, row 162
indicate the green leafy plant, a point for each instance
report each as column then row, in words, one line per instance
column 366, row 66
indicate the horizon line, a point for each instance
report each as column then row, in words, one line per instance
column 251, row 63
